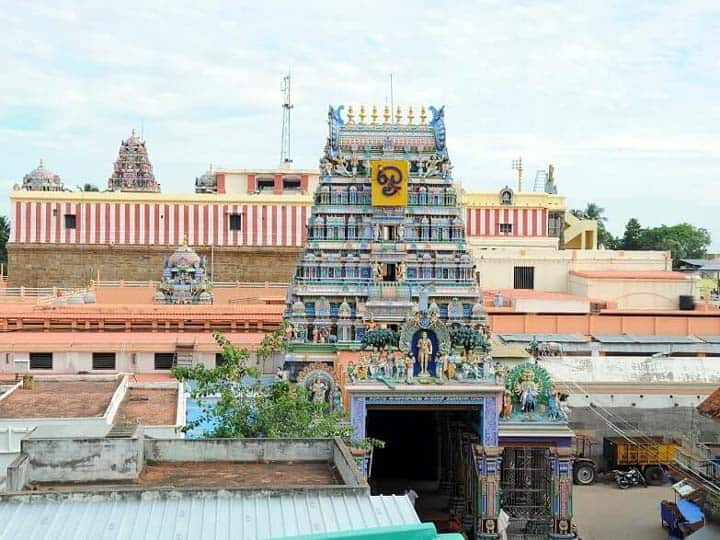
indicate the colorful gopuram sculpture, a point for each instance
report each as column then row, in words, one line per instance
column 207, row 183
column 132, row 170
column 184, row 279
column 41, row 179
column 386, row 241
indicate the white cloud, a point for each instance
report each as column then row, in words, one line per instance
column 621, row 97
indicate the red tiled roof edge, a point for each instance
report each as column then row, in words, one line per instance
column 710, row 407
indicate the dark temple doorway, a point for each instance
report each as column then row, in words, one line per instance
column 411, row 445
column 390, row 272
column 423, row 452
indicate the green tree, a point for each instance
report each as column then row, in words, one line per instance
column 243, row 408
column 4, row 237
column 597, row 213
column 380, row 338
column 469, row 340
column 683, row 240
column 88, row 187
column 632, row 238
column 277, row 341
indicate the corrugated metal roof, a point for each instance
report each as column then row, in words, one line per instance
column 558, row 338
column 645, row 339
column 215, row 516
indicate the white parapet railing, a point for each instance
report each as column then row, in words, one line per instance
column 216, row 284
column 32, row 292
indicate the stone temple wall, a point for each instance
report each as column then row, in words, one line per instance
column 49, row 265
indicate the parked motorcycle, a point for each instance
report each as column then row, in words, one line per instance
column 629, row 478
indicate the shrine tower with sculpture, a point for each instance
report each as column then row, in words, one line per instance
column 384, row 316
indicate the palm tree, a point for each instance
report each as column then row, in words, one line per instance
column 88, row 187
column 596, row 212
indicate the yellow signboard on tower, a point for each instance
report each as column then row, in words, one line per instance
column 389, row 180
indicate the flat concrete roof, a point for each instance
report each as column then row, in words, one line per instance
column 217, row 475
column 59, row 399
column 149, row 407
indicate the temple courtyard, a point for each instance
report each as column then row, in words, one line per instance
column 603, row 512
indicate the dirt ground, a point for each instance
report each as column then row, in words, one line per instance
column 604, row 512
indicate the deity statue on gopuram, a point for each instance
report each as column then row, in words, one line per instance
column 386, row 248
column 132, row 170
column 184, row 279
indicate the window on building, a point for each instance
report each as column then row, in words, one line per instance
column 291, row 184
column 219, row 359
column 235, row 222
column 164, row 360
column 70, row 221
column 506, row 227
column 103, row 360
column 389, row 232
column 41, row 360
column 524, row 277
column 266, row 184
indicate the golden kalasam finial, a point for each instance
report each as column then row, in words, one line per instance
column 362, row 114
column 351, row 115
column 133, row 132
column 41, row 163
column 423, row 114
column 374, row 114
column 410, row 115
column 386, row 114
column 210, row 168
column 398, row 115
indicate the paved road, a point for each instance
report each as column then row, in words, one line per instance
column 604, row 512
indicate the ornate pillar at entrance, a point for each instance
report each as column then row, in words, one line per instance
column 487, row 468
column 490, row 421
column 561, row 466
column 456, row 480
column 445, row 486
column 358, row 414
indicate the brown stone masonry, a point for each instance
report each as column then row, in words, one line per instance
column 48, row 265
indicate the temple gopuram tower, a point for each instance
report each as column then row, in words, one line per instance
column 133, row 170
column 385, row 234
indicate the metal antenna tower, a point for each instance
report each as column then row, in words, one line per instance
column 287, row 106
column 518, row 166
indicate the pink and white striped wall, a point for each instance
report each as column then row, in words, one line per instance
column 526, row 222
column 149, row 223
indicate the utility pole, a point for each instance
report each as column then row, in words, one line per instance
column 287, row 106
column 518, row 166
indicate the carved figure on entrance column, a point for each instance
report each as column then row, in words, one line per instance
column 337, row 399
column 500, row 374
column 378, row 271
column 370, row 325
column 410, row 366
column 362, row 368
column 401, row 271
column 507, row 404
column 401, row 232
column 425, row 350
column 528, row 390
column 351, row 372
column 319, row 389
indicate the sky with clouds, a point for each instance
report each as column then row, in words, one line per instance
column 622, row 97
